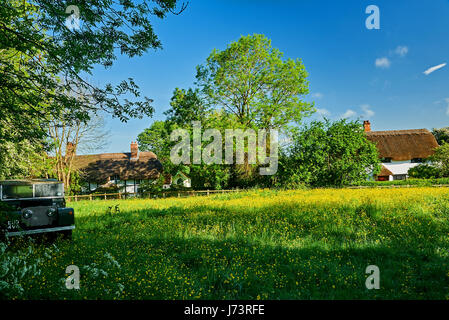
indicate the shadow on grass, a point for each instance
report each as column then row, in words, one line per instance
column 208, row 252
column 185, row 268
column 176, row 253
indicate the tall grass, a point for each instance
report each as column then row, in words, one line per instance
column 308, row 244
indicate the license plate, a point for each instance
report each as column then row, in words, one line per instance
column 13, row 225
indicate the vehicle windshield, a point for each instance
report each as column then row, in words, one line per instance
column 26, row 191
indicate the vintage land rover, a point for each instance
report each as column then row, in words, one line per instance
column 34, row 207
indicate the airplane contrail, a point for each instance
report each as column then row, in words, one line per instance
column 432, row 69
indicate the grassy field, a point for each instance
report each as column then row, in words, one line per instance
column 312, row 244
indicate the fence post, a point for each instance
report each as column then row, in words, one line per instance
column 207, row 191
column 76, row 198
column 90, row 197
column 105, row 196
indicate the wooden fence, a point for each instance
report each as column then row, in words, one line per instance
column 192, row 193
column 147, row 195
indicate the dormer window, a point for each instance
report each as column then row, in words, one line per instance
column 385, row 160
column 417, row 160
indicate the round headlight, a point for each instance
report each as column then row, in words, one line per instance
column 27, row 213
column 51, row 212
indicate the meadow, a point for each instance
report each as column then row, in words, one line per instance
column 265, row 244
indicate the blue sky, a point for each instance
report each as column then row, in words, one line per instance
column 330, row 37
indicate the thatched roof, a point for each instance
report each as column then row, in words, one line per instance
column 384, row 172
column 99, row 167
column 400, row 145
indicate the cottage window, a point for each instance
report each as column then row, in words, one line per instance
column 385, row 160
column 417, row 160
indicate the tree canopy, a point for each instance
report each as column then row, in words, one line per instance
column 246, row 86
column 326, row 153
column 251, row 81
column 186, row 106
column 41, row 60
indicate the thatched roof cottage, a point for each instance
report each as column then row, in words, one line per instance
column 401, row 150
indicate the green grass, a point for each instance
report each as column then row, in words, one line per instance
column 259, row 245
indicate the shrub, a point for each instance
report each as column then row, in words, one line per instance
column 330, row 154
column 424, row 171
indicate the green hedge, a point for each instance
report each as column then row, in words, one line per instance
column 413, row 182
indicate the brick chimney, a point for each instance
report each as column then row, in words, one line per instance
column 134, row 150
column 367, row 125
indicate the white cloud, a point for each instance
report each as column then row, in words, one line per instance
column 401, row 50
column 323, row 112
column 432, row 69
column 367, row 112
column 317, row 95
column 383, row 63
column 348, row 114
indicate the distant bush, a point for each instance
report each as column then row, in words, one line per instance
column 414, row 182
column 425, row 171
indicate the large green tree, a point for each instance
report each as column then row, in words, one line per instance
column 326, row 153
column 186, row 106
column 23, row 158
column 41, row 59
column 249, row 85
column 251, row 80
column 156, row 138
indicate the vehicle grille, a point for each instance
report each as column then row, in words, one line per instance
column 39, row 217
